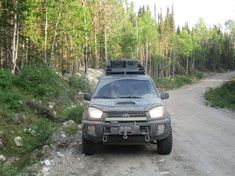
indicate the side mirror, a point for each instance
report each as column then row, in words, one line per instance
column 164, row 95
column 87, row 96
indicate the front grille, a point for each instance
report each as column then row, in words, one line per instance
column 126, row 116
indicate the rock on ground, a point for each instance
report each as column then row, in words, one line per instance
column 1, row 144
column 2, row 158
column 18, row 141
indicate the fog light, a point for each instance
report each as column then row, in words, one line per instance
column 161, row 128
column 91, row 130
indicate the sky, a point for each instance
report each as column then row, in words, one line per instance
column 212, row 11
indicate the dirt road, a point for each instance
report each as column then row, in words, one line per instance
column 204, row 143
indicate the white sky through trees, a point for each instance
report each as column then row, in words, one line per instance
column 212, row 11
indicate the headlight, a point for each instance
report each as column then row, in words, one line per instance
column 157, row 112
column 94, row 113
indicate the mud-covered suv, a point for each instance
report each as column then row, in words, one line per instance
column 126, row 108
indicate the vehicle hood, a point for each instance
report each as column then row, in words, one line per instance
column 143, row 104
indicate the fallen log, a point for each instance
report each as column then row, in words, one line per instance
column 43, row 110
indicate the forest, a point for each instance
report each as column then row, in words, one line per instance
column 69, row 34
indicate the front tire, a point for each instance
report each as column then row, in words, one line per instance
column 87, row 147
column 164, row 146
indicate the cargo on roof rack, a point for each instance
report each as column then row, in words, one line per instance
column 124, row 67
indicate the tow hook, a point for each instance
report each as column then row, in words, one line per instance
column 105, row 139
column 147, row 138
column 125, row 135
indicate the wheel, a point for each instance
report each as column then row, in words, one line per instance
column 164, row 146
column 87, row 147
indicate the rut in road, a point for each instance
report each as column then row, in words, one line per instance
column 203, row 143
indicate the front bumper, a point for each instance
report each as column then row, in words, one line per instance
column 126, row 132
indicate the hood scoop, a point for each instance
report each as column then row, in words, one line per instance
column 126, row 103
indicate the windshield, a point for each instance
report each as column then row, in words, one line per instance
column 125, row 88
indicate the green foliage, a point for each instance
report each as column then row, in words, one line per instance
column 223, row 97
column 10, row 97
column 12, row 100
column 6, row 79
column 184, row 44
column 64, row 33
column 17, row 119
column 128, row 37
column 197, row 75
column 177, row 81
column 76, row 113
column 40, row 81
column 79, row 83
column 41, row 130
column 73, row 113
column 72, row 129
column 34, row 134
column 9, row 171
column 147, row 27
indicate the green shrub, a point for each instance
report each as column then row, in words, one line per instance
column 37, row 82
column 163, row 83
column 6, row 79
column 12, row 100
column 79, row 83
column 180, row 80
column 41, row 130
column 9, row 171
column 166, row 83
column 198, row 75
column 10, row 97
column 72, row 129
column 40, row 81
column 76, row 113
column 73, row 113
column 223, row 97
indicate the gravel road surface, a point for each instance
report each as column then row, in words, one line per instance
column 204, row 143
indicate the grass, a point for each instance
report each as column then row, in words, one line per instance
column 223, row 97
column 167, row 83
column 73, row 112
column 16, row 119
column 71, row 129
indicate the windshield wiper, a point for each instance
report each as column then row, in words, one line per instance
column 130, row 97
column 104, row 97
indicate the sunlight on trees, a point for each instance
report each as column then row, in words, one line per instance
column 70, row 34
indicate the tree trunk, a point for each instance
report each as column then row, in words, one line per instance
column 173, row 64
column 193, row 64
column 96, row 59
column 1, row 53
column 137, row 37
column 105, row 44
column 86, row 39
column 150, row 66
column 105, row 32
column 46, row 34
column 146, row 57
column 54, row 37
column 186, row 66
column 15, row 39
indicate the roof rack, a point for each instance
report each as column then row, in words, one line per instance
column 128, row 66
